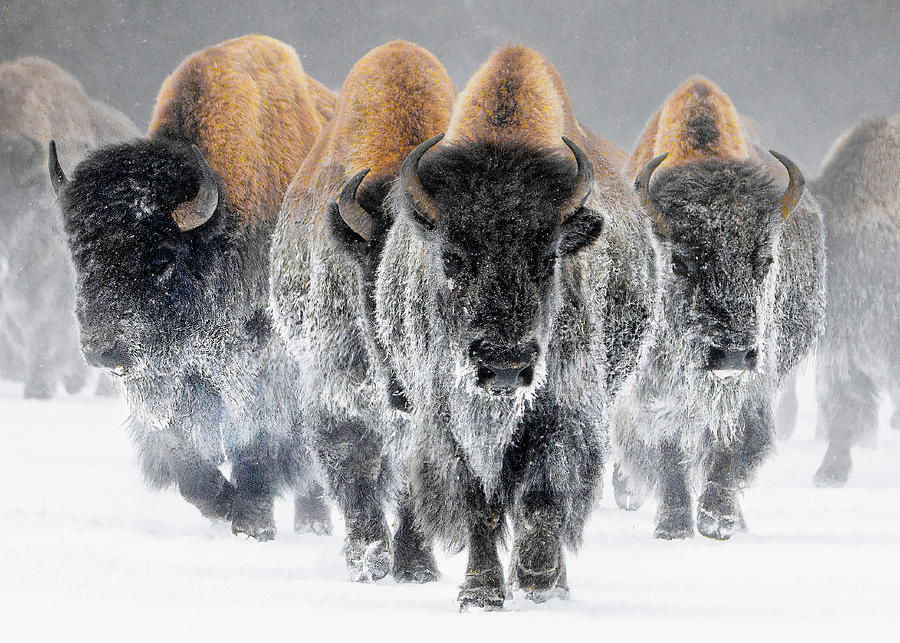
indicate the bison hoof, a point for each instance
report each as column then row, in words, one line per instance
column 835, row 468
column 540, row 587
column 674, row 524
column 254, row 516
column 413, row 565
column 482, row 590
column 367, row 561
column 719, row 526
column 627, row 498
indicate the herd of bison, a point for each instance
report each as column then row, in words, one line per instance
column 446, row 312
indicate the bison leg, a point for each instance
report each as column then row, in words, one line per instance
column 350, row 455
column 413, row 559
column 848, row 412
column 254, row 499
column 484, row 586
column 203, row 485
column 311, row 514
column 730, row 469
column 674, row 517
column 628, row 495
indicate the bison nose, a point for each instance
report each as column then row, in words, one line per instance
column 111, row 356
column 731, row 362
column 503, row 370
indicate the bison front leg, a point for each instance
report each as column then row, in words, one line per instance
column 355, row 469
column 254, row 500
column 311, row 513
column 730, row 469
column 674, row 517
column 413, row 558
column 484, row 587
column 202, row 484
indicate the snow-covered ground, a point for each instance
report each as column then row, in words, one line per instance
column 87, row 553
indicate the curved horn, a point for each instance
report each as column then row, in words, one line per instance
column 57, row 176
column 353, row 214
column 409, row 178
column 584, row 180
column 642, row 186
column 194, row 213
column 794, row 192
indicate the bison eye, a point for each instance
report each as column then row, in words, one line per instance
column 452, row 264
column 546, row 266
column 682, row 266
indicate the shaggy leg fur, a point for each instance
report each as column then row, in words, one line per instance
column 628, row 495
column 254, row 500
column 356, row 472
column 848, row 410
column 203, row 485
column 311, row 514
column 787, row 406
column 674, row 517
column 413, row 559
column 730, row 469
column 484, row 587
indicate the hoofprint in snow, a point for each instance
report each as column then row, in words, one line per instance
column 87, row 553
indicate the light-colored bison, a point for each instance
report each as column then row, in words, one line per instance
column 38, row 332
column 742, row 303
column 859, row 355
column 170, row 238
column 513, row 296
column 325, row 255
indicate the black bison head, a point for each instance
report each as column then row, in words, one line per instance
column 721, row 222
column 145, row 235
column 496, row 220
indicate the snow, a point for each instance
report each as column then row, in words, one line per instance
column 88, row 553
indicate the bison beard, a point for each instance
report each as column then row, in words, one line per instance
column 478, row 458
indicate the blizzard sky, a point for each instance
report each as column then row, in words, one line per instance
column 806, row 70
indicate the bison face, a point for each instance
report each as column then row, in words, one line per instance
column 140, row 275
column 720, row 222
column 496, row 221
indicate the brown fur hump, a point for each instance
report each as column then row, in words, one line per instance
column 696, row 123
column 252, row 111
column 397, row 96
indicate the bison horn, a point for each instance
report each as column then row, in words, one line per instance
column 57, row 176
column 642, row 186
column 584, row 180
column 353, row 214
column 194, row 213
column 409, row 178
column 794, row 192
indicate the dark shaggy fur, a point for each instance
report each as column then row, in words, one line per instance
column 497, row 280
column 181, row 318
column 743, row 284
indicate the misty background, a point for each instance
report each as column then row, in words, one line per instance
column 805, row 70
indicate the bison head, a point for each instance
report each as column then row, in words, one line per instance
column 721, row 222
column 141, row 227
column 495, row 221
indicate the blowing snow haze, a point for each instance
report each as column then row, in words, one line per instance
column 804, row 70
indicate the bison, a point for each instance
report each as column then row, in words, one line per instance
column 513, row 296
column 170, row 238
column 325, row 254
column 742, row 303
column 38, row 331
column 859, row 355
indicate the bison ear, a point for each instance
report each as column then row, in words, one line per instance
column 350, row 224
column 581, row 229
column 57, row 176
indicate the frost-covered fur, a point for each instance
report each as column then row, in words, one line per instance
column 181, row 317
column 323, row 273
column 859, row 356
column 738, row 276
column 498, row 269
column 38, row 331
